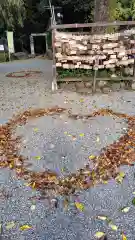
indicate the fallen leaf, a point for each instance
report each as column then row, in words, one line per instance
column 25, row 227
column 33, row 185
column 27, row 184
column 104, row 182
column 122, row 174
column 33, row 207
column 11, row 165
column 35, row 129
column 65, row 133
column 91, row 157
column 66, row 203
column 99, row 234
column 125, row 209
column 10, row 225
column 133, row 201
column 124, row 237
column 113, row 227
column 103, row 218
column 98, row 139
column 81, row 134
column 81, row 100
column 120, row 177
column 79, row 206
column 69, row 135
column 73, row 138
column 54, row 202
column 38, row 157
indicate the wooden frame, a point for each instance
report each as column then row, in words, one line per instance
column 32, row 41
column 88, row 25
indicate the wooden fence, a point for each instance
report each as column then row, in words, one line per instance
column 55, row 28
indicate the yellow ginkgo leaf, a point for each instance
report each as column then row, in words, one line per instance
column 124, row 237
column 98, row 139
column 113, row 227
column 33, row 185
column 103, row 218
column 27, row 184
column 81, row 100
column 91, row 157
column 122, row 174
column 65, row 133
column 125, row 209
column 33, row 207
column 120, row 177
column 133, row 193
column 104, row 182
column 99, row 234
column 79, row 206
column 25, row 227
column 10, row 225
column 38, row 157
column 81, row 134
column 35, row 129
column 11, row 165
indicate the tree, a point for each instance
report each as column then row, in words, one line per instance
column 12, row 12
column 74, row 11
column 125, row 10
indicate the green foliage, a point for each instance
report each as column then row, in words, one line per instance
column 79, row 9
column 80, row 73
column 12, row 12
column 125, row 9
column 3, row 57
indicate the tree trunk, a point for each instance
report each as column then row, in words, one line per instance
column 101, row 14
column 104, row 12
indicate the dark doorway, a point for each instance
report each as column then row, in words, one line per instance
column 40, row 45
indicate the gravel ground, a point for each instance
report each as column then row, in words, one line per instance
column 58, row 151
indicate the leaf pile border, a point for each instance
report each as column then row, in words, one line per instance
column 106, row 165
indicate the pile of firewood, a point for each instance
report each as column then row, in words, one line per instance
column 87, row 51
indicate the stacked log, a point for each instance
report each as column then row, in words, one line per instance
column 87, row 51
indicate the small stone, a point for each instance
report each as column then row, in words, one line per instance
column 114, row 75
column 52, row 146
column 129, row 71
column 106, row 90
column 116, row 86
column 98, row 90
column 54, row 202
column 102, row 84
column 88, row 84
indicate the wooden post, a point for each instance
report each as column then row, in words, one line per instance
column 133, row 73
column 94, row 81
column 95, row 74
column 32, row 45
column 54, row 80
column 46, row 43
